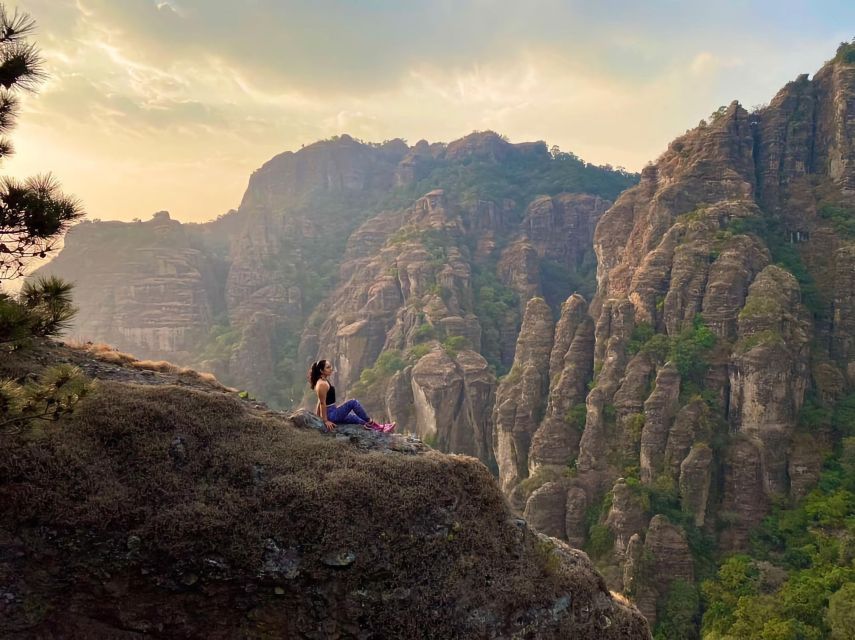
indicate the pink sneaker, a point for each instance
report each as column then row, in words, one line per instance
column 389, row 427
column 373, row 426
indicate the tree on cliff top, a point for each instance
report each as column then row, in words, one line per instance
column 33, row 213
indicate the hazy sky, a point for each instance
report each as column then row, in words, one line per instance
column 171, row 104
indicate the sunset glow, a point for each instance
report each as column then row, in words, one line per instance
column 155, row 104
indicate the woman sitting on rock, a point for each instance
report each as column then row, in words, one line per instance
column 350, row 412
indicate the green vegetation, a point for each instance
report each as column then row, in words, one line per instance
column 697, row 214
column 419, row 351
column 386, row 365
column 43, row 309
column 765, row 337
column 784, row 255
column 609, row 413
column 842, row 218
column 540, row 477
column 221, row 340
column 34, row 214
column 758, row 306
column 496, row 306
column 718, row 113
column 424, row 333
column 662, row 497
column 575, row 416
column 634, row 424
column 841, row 416
column 558, row 281
column 454, row 344
column 601, row 540
column 813, row 414
column 841, row 610
column 658, row 346
column 688, row 350
column 641, row 335
column 310, row 263
column 518, row 177
column 46, row 398
column 678, row 615
column 809, row 549
column 846, row 53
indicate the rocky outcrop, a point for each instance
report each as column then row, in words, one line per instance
column 521, row 397
column 745, row 501
column 555, row 233
column 723, row 301
column 626, row 517
column 280, row 259
column 451, row 394
column 546, row 509
column 575, row 521
column 843, row 319
column 338, row 252
column 695, row 481
column 659, row 410
column 560, row 228
column 770, row 372
column 669, row 560
column 291, row 552
column 555, row 443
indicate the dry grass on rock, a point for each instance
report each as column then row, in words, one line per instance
column 196, row 477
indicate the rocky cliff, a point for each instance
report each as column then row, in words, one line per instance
column 149, row 285
column 165, row 506
column 422, row 256
column 724, row 286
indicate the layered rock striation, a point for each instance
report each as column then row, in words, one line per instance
column 151, row 286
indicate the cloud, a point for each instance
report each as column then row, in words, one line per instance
column 172, row 103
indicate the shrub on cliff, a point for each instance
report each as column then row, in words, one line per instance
column 846, row 53
column 690, row 347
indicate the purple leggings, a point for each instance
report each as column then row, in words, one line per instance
column 350, row 412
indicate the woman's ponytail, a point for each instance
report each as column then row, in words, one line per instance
column 315, row 372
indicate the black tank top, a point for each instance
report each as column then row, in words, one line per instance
column 331, row 396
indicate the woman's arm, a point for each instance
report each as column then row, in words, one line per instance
column 321, row 388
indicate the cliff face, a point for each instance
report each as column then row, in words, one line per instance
column 409, row 289
column 422, row 256
column 722, row 310
column 299, row 210
column 149, row 286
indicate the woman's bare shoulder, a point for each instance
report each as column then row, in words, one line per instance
column 322, row 384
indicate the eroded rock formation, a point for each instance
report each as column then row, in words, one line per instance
column 335, row 252
column 723, row 306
